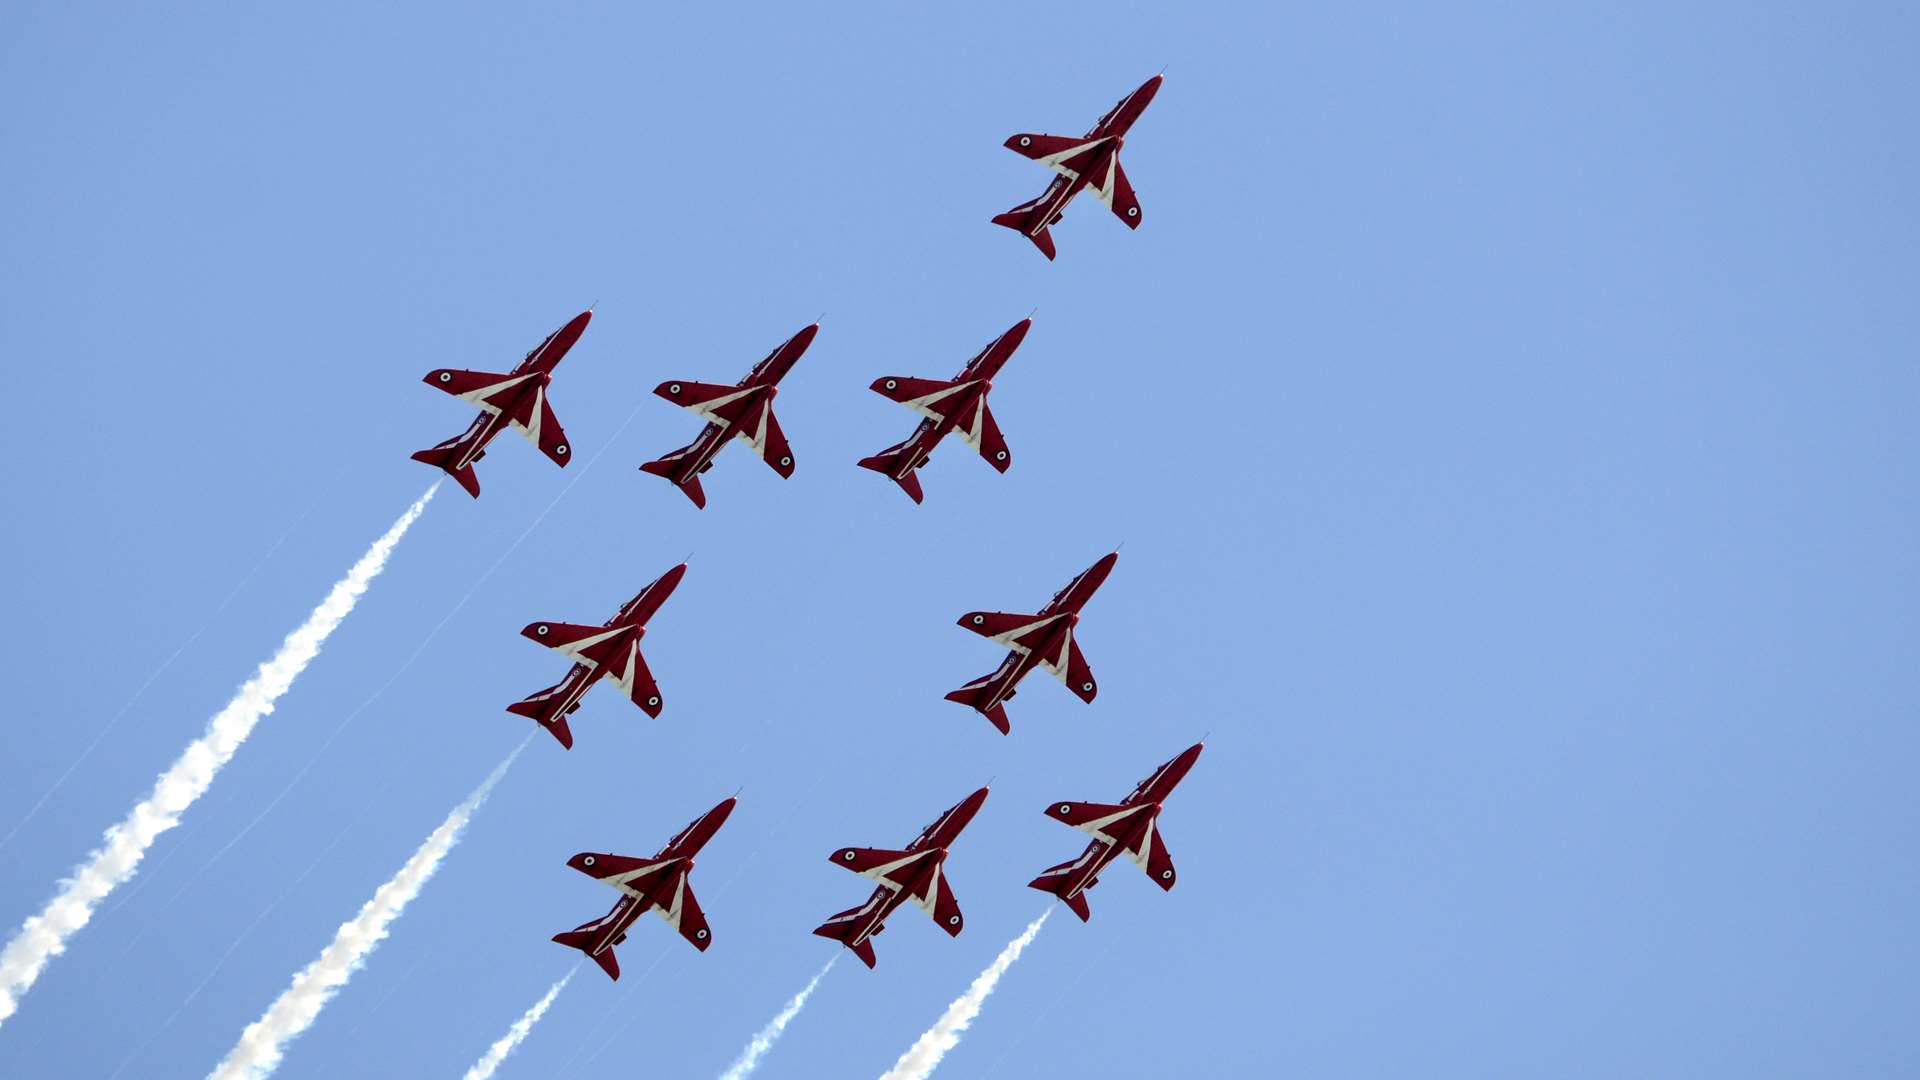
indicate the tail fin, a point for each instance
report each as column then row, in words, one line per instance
column 535, row 706
column 666, row 466
column 440, row 456
column 1020, row 223
column 971, row 696
column 580, row 939
column 1054, row 880
column 839, row 931
column 886, row 465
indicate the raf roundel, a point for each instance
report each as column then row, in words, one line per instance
column 588, row 861
column 979, row 620
column 847, row 855
column 673, row 388
column 1087, row 687
column 1024, row 141
column 541, row 629
column 654, row 700
column 1066, row 808
column 446, row 376
column 893, row 384
column 786, row 460
column 701, row 933
column 1165, row 874
column 953, row 920
column 999, row 455
column 561, row 449
column 1133, row 211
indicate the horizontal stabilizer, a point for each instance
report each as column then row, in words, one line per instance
column 910, row 484
column 1021, row 224
column 441, row 457
column 580, row 939
column 667, row 466
column 536, row 706
column 840, row 931
column 842, row 927
column 972, row 696
column 887, row 465
column 1054, row 881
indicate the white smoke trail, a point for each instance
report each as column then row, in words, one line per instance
column 113, row 863
column 507, row 1043
column 264, row 1042
column 749, row 1058
column 924, row 1055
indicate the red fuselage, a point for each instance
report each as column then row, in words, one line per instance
column 1105, row 139
column 1047, row 642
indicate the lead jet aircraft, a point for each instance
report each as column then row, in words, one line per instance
column 657, row 884
column 743, row 411
column 517, row 399
column 960, row 405
column 1044, row 640
column 611, row 650
column 1090, row 161
column 915, row 873
column 1131, row 826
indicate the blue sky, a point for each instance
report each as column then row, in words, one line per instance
column 1507, row 415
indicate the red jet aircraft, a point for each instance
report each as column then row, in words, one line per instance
column 960, row 405
column 916, row 873
column 657, row 884
column 611, row 650
column 1043, row 640
column 1091, row 161
column 744, row 411
column 517, row 399
column 1131, row 826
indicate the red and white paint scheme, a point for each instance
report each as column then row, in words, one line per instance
column 1045, row 641
column 743, row 411
column 1089, row 162
column 1130, row 827
column 517, row 399
column 916, row 873
column 611, row 651
column 959, row 405
column 657, row 884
